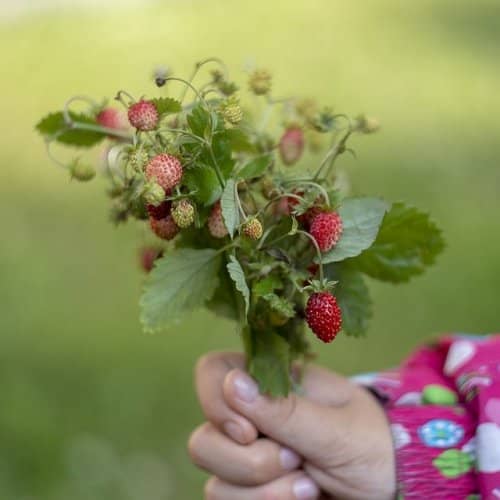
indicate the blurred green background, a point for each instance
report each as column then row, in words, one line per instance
column 91, row 409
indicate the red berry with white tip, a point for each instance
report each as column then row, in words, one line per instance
column 326, row 228
column 323, row 315
column 166, row 169
column 291, row 145
column 165, row 228
column 215, row 222
column 143, row 115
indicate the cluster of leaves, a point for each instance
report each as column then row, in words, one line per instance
column 228, row 160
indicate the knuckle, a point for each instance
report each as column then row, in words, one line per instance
column 269, row 493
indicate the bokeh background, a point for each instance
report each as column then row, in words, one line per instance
column 90, row 408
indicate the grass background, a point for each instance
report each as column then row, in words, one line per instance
column 91, row 409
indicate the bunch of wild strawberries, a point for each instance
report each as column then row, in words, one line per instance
column 254, row 225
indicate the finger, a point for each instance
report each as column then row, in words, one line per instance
column 296, row 486
column 210, row 373
column 296, row 422
column 325, row 387
column 246, row 465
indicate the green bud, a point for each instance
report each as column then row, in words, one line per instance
column 366, row 125
column 324, row 121
column 82, row 171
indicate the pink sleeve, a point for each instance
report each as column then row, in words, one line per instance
column 443, row 405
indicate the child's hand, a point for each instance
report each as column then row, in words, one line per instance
column 338, row 432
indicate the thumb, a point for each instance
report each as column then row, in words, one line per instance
column 295, row 422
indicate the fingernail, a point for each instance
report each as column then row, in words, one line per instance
column 305, row 489
column 246, row 389
column 234, row 431
column 289, row 459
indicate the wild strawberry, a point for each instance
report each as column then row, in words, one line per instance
column 326, row 229
column 164, row 228
column 308, row 216
column 183, row 213
column 147, row 257
column 166, row 169
column 160, row 211
column 143, row 115
column 231, row 110
column 112, row 118
column 81, row 171
column 215, row 222
column 153, row 193
column 323, row 315
column 252, row 229
column 291, row 145
column 260, row 82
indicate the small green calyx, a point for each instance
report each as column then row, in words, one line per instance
column 153, row 193
column 82, row 171
column 323, row 121
column 321, row 285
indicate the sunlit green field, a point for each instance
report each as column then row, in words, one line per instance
column 90, row 408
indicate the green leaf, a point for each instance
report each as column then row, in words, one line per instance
column 266, row 286
column 408, row 241
column 203, row 180
column 279, row 304
column 224, row 301
column 453, row 463
column 238, row 276
column 255, row 167
column 54, row 127
column 353, row 298
column 269, row 362
column 221, row 147
column 361, row 218
column 167, row 105
column 229, row 206
column 181, row 281
column 198, row 121
column 240, row 142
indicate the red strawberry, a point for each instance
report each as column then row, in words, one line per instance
column 323, row 315
column 215, row 222
column 161, row 211
column 326, row 229
column 165, row 228
column 143, row 115
column 112, row 118
column 147, row 257
column 166, row 169
column 291, row 145
column 307, row 217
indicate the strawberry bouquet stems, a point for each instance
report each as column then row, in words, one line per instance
column 250, row 219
